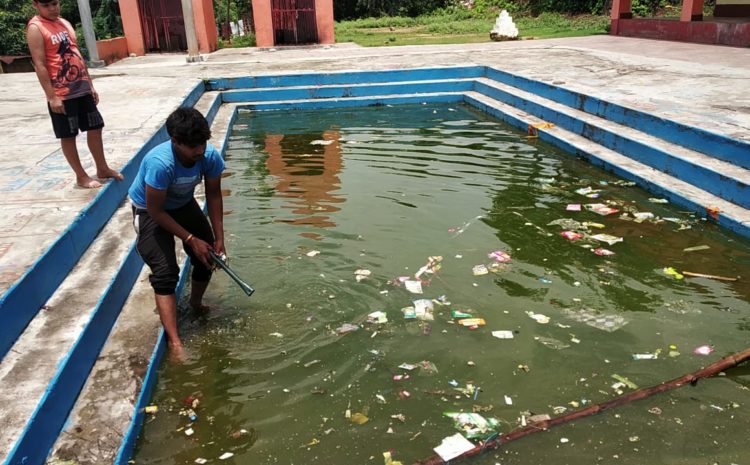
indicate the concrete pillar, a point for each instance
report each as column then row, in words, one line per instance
column 192, row 40
column 621, row 9
column 263, row 23
column 131, row 26
column 205, row 26
column 692, row 10
column 88, row 33
column 324, row 20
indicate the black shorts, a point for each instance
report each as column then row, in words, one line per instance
column 80, row 114
column 156, row 246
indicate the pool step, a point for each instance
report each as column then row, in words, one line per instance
column 723, row 179
column 46, row 367
column 730, row 215
column 339, row 91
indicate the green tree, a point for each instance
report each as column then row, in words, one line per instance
column 14, row 14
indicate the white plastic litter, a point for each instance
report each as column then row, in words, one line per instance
column 453, row 446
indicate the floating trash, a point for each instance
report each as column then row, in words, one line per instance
column 538, row 317
column 552, row 343
column 601, row 209
column 503, row 334
column 453, row 446
column 696, row 248
column 703, row 350
column 601, row 321
column 499, row 256
column 359, row 275
column 480, row 270
column 415, row 287
column 472, row 425
column 669, row 271
column 607, row 238
column 347, row 328
column 602, row 252
column 571, row 235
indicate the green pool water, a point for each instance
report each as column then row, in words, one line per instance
column 313, row 197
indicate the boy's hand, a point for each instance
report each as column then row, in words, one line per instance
column 56, row 104
column 95, row 94
column 201, row 249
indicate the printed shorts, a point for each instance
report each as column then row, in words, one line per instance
column 80, row 115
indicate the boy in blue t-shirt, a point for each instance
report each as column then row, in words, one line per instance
column 164, row 207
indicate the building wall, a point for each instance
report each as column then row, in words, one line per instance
column 704, row 32
column 264, row 36
column 111, row 50
column 203, row 15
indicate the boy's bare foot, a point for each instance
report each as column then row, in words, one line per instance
column 88, row 183
column 200, row 307
column 109, row 173
column 177, row 353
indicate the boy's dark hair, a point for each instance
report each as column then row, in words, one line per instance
column 188, row 127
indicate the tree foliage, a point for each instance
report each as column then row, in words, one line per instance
column 14, row 14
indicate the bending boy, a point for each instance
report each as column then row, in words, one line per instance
column 164, row 206
column 71, row 98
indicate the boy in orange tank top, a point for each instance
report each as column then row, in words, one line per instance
column 71, row 98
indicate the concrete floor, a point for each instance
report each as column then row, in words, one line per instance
column 699, row 85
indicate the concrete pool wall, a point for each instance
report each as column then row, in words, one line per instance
column 581, row 125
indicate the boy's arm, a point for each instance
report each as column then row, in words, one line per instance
column 36, row 46
column 216, row 212
column 155, row 200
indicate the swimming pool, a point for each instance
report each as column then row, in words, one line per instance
column 330, row 212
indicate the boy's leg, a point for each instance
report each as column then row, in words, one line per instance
column 167, row 307
column 65, row 126
column 156, row 246
column 96, row 146
column 70, row 151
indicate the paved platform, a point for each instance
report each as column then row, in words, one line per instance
column 703, row 86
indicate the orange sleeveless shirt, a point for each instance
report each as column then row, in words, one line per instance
column 66, row 67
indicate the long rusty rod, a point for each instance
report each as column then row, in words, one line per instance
column 690, row 378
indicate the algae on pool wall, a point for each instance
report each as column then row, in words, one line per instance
column 342, row 215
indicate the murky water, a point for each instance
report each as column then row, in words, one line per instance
column 312, row 197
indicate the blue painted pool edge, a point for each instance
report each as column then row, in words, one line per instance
column 698, row 139
column 45, row 424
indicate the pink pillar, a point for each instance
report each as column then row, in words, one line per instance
column 263, row 23
column 692, row 10
column 324, row 18
column 620, row 11
column 205, row 25
column 131, row 26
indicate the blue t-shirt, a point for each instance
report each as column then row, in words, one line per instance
column 162, row 170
